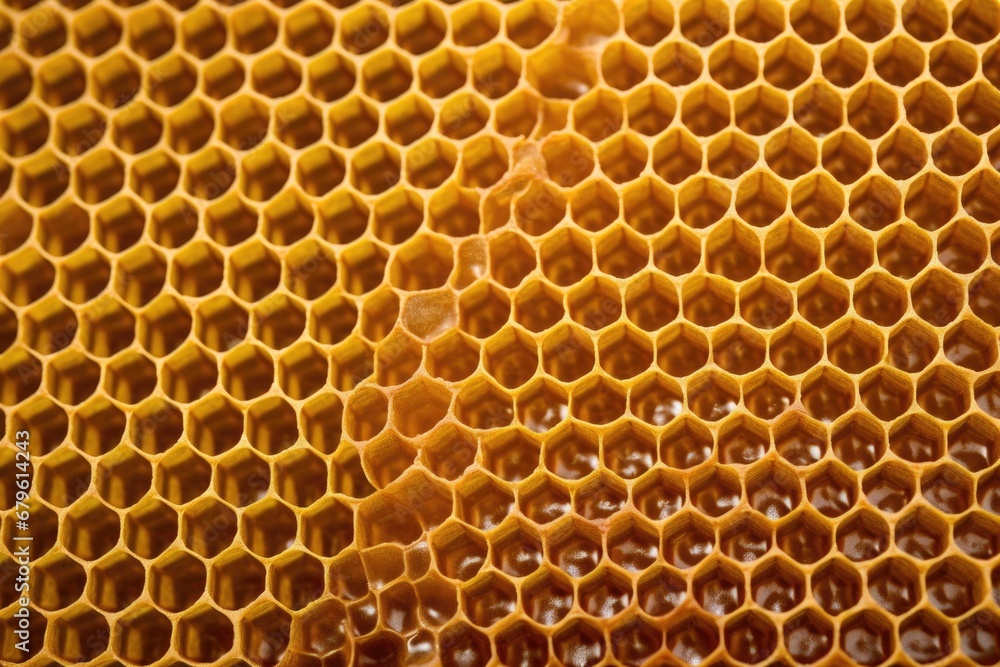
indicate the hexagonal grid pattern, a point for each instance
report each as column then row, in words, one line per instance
column 520, row 333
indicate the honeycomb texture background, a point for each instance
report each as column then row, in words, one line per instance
column 528, row 333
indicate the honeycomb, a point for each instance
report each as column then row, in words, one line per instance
column 533, row 333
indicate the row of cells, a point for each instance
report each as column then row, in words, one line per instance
column 446, row 448
column 569, row 558
column 565, row 225
column 568, row 351
column 375, row 166
column 766, row 510
column 271, row 426
column 216, row 425
column 152, row 31
column 564, row 255
column 646, row 206
column 563, row 258
column 270, row 634
column 602, row 590
column 243, row 123
column 496, row 72
column 418, row 30
column 626, row 451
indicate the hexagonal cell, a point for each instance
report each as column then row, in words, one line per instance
column 904, row 250
column 766, row 303
column 712, row 395
column 18, row 79
column 176, row 580
column 623, row 158
column 633, row 544
column 182, row 475
column 895, row 585
column 242, row 477
column 768, row 394
column 661, row 591
column 867, row 637
column 208, row 527
column 203, row 32
column 142, row 635
column 460, row 552
column 97, row 426
column 804, row 537
column 483, row 309
column 849, row 251
column 705, row 110
column 190, row 127
column 49, row 326
column 980, row 300
column 20, row 375
column 733, row 64
column 751, row 637
column 925, row 636
column 962, row 246
column 978, row 535
column 677, row 63
column 192, row 629
column 863, row 536
column 60, row 582
column 264, row 631
column 688, row 539
column 808, row 636
column 61, row 79
column 720, row 589
column 931, row 201
column 733, row 250
column 773, row 489
column 954, row 586
column 327, row 527
column 937, row 297
column 547, row 597
column 300, row 477
column 707, row 301
column 489, row 599
column 987, row 393
column 542, row 405
column 598, row 401
column 484, row 161
column 268, row 527
column 174, row 222
column 957, row 151
column 605, row 594
column 912, row 346
column 90, row 529
column 26, row 276
column 169, row 83
column 271, row 425
column 859, row 442
column 62, row 478
column 519, row 643
column 676, row 156
column 836, row 586
column 922, row 534
column 693, row 638
column 886, row 393
column 71, row 377
column 296, row 579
